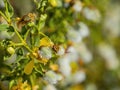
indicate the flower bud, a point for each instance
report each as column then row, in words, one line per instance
column 10, row 50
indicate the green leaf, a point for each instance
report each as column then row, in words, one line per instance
column 3, row 27
column 11, row 83
column 41, row 5
column 41, row 22
column 9, row 9
column 37, row 40
column 29, row 67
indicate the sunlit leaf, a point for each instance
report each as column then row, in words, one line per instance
column 53, row 2
column 3, row 27
column 29, row 67
column 11, row 83
column 46, row 42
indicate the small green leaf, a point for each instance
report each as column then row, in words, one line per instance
column 37, row 40
column 11, row 83
column 29, row 67
column 41, row 22
column 3, row 27
column 9, row 9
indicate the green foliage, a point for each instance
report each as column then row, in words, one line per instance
column 3, row 27
column 8, row 10
column 21, row 54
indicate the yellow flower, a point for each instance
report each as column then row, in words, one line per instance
column 54, row 67
column 21, row 86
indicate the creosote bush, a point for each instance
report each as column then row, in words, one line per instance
column 51, row 47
